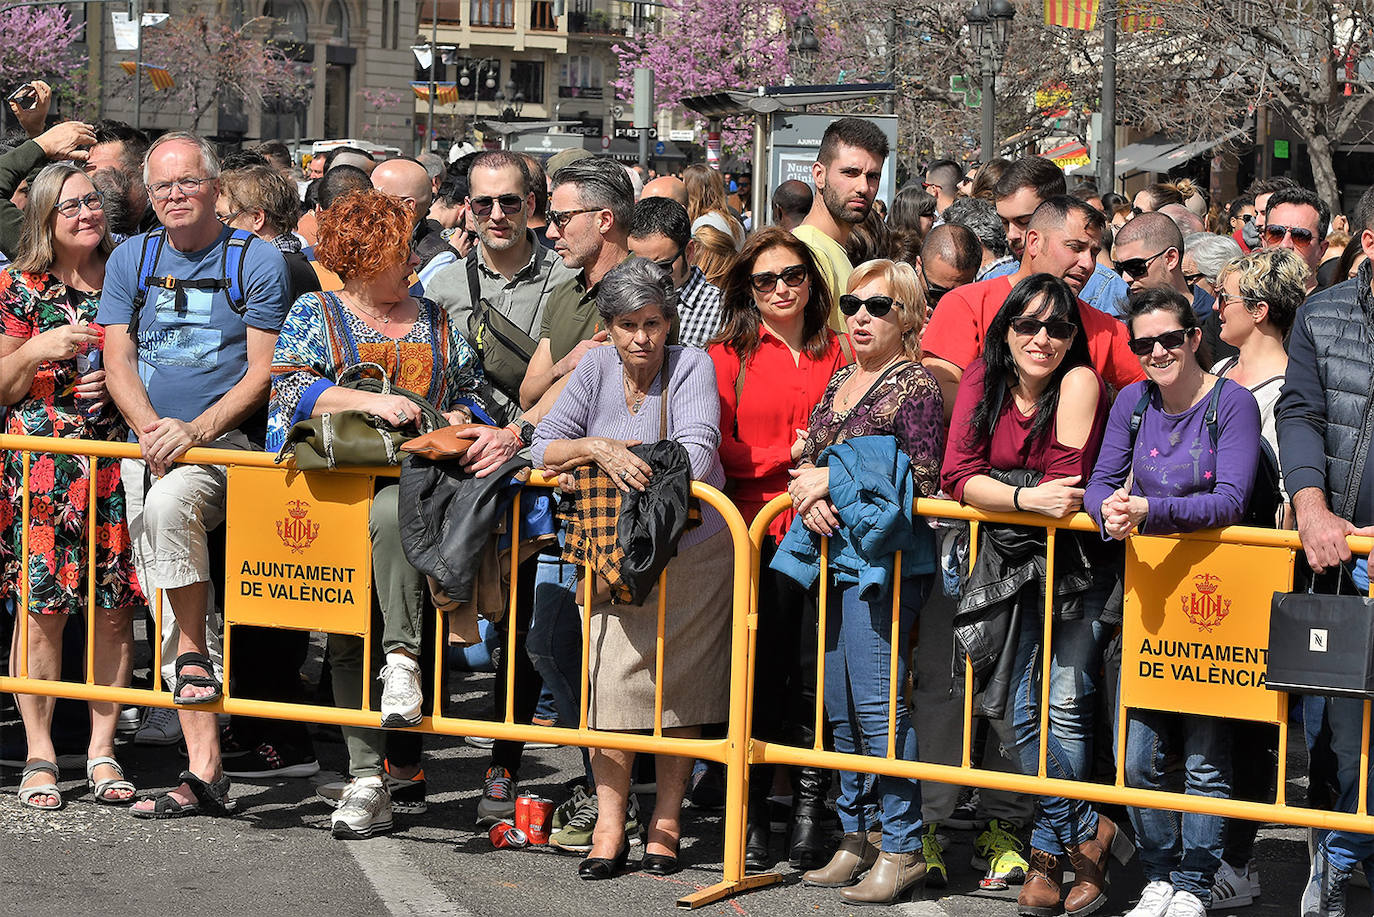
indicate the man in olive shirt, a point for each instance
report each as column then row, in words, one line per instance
column 590, row 211
column 508, row 268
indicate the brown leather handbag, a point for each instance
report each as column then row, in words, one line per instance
column 446, row 442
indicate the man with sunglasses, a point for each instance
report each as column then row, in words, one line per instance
column 661, row 232
column 507, row 268
column 1148, row 255
column 1063, row 238
column 1325, row 423
column 1296, row 218
column 950, row 258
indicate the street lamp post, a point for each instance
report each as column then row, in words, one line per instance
column 511, row 101
column 990, row 29
column 473, row 78
column 804, row 44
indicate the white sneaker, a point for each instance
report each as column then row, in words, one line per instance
column 365, row 810
column 162, row 727
column 401, row 694
column 1154, row 901
column 1185, row 904
column 1233, row 889
column 130, row 719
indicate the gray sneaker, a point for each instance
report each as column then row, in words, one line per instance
column 162, row 726
column 576, row 835
column 365, row 810
column 401, row 694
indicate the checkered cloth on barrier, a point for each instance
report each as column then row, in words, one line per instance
column 589, row 517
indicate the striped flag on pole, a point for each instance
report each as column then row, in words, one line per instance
column 444, row 93
column 159, row 76
column 1072, row 14
column 1134, row 17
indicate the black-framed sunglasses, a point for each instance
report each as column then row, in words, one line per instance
column 877, row 306
column 92, row 201
column 1136, row 267
column 766, row 281
column 934, row 292
column 559, row 218
column 509, row 203
column 1302, row 236
column 1058, row 328
column 1192, row 279
column 1169, row 340
column 667, row 263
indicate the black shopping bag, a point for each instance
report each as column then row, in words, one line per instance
column 1321, row 644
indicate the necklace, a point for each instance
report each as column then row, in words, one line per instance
column 630, row 391
column 860, row 387
column 384, row 318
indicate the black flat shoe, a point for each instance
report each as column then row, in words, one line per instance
column 660, row 864
column 596, row 869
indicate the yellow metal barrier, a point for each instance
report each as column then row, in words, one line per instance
column 246, row 474
column 964, row 774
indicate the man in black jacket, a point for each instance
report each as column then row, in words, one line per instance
column 1325, row 421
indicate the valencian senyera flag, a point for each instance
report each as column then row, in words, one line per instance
column 1082, row 14
column 161, row 79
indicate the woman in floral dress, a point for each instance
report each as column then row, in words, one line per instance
column 52, row 386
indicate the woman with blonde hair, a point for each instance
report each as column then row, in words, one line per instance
column 706, row 203
column 713, row 254
column 886, row 400
column 52, row 386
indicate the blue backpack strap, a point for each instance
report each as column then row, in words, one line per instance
column 147, row 266
column 235, row 248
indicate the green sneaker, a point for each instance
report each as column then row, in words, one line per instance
column 576, row 835
column 936, row 874
column 998, row 851
column 564, row 813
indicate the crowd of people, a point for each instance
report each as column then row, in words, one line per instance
column 994, row 338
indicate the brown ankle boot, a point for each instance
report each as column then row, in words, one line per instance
column 1041, row 893
column 857, row 853
column 1089, row 861
column 889, row 880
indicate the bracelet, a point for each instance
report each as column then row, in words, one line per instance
column 1016, row 499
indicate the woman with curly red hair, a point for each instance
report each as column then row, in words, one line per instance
column 365, row 239
column 50, row 382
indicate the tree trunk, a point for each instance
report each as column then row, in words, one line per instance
column 1320, row 155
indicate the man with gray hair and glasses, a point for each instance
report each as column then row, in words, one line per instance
column 590, row 212
column 188, row 355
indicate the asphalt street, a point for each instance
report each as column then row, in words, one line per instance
column 277, row 856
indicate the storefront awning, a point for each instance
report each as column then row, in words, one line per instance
column 1181, row 154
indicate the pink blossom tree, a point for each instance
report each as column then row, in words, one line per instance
column 37, row 44
column 381, row 102
column 215, row 64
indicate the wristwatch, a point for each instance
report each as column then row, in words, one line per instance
column 523, row 429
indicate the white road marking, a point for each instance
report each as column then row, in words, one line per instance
column 404, row 890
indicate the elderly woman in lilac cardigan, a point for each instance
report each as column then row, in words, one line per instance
column 614, row 400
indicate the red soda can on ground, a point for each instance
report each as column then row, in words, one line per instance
column 534, row 816
column 505, row 834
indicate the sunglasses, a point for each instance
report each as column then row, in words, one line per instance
column 559, row 218
column 934, row 292
column 667, row 263
column 1302, row 237
column 767, row 281
column 1169, row 340
column 510, row 203
column 1135, row 267
column 1192, row 279
column 877, row 306
column 1057, row 328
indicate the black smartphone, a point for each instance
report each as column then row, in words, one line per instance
column 25, row 97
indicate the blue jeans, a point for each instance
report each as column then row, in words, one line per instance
column 858, row 666
column 1075, row 667
column 1183, row 850
column 1346, row 718
column 554, row 643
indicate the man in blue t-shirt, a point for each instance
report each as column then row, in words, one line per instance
column 187, row 367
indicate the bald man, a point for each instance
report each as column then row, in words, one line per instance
column 408, row 180
column 791, row 203
column 1186, row 221
column 666, row 186
column 351, row 158
column 950, row 258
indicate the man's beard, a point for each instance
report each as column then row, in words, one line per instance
column 839, row 207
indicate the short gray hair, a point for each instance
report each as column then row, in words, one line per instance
column 634, row 284
column 601, row 183
column 981, row 218
column 209, row 157
column 1211, row 252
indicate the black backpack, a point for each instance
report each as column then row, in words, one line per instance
column 1265, row 496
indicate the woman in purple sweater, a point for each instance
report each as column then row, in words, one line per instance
column 1181, row 479
column 614, row 400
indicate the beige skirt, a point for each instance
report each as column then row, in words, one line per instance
column 696, row 646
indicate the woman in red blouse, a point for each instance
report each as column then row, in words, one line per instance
column 1027, row 426
column 774, row 357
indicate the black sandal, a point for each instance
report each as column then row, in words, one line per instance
column 211, row 799
column 195, row 681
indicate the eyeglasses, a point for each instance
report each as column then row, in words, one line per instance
column 877, row 306
column 72, row 206
column 934, row 292
column 1245, row 301
column 1192, row 279
column 1136, row 267
column 509, row 203
column 229, row 217
column 1169, row 340
column 1302, row 236
column 1135, row 212
column 559, row 218
column 1057, row 328
column 160, row 191
column 667, row 263
column 767, row 281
